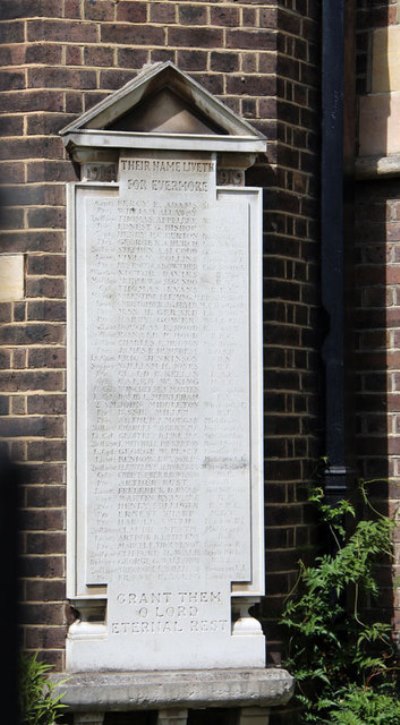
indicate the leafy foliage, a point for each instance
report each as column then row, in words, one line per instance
column 39, row 703
column 362, row 705
column 346, row 668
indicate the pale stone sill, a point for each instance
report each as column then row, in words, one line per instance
column 371, row 167
column 191, row 689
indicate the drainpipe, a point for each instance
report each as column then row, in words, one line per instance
column 333, row 249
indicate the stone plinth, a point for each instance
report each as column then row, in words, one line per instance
column 177, row 691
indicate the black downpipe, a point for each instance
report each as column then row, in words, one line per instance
column 332, row 249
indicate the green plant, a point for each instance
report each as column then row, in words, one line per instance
column 346, row 667
column 38, row 701
column 365, row 706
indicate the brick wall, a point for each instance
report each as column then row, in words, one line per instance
column 377, row 313
column 377, row 356
column 58, row 58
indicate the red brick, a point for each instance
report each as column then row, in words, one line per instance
column 44, row 473
column 32, row 241
column 43, row 53
column 161, row 56
column 47, row 451
column 98, row 56
column 45, row 590
column 18, row 358
column 74, row 102
column 46, row 496
column 47, row 358
column 19, row 312
column 192, row 60
column 128, row 58
column 24, row 334
column 195, row 37
column 249, row 17
column 250, row 39
column 212, row 83
column 74, row 55
column 11, row 173
column 162, row 12
column 132, row 12
column 114, row 78
column 51, row 310
column 11, row 126
column 49, row 264
column 12, row 32
column 192, row 14
column 18, row 405
column 45, row 637
column 54, row 658
column 50, row 404
column 64, row 31
column 43, row 613
column 18, row 380
column 12, row 55
column 43, row 124
column 55, row 170
column 12, row 80
column 61, row 78
column 11, row 9
column 31, row 427
column 42, row 519
column 11, row 218
column 225, row 62
column 99, row 10
column 31, row 147
column 124, row 34
column 32, row 101
column 248, row 63
column 45, row 543
column 72, row 8
column 226, row 16
column 5, row 311
column 50, row 217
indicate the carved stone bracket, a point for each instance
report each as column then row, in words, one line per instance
column 230, row 177
column 244, row 623
column 99, row 171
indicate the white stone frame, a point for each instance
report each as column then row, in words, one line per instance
column 93, row 141
column 255, row 588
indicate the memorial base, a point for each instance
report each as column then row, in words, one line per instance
column 84, row 654
column 89, row 695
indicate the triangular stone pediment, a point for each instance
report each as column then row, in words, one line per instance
column 162, row 100
column 164, row 112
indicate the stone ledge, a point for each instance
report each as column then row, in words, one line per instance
column 106, row 691
column 371, row 167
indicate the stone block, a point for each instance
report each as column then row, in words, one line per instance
column 11, row 277
column 385, row 63
column 379, row 124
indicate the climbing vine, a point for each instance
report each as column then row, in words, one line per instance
column 345, row 665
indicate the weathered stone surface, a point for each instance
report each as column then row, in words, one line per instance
column 11, row 277
column 385, row 59
column 378, row 124
column 166, row 416
column 180, row 689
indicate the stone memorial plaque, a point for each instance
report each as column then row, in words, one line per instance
column 165, row 416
